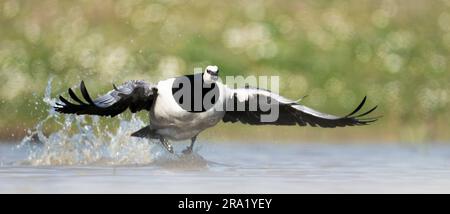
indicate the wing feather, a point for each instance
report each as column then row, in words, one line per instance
column 136, row 95
column 290, row 112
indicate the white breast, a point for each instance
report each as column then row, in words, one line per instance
column 166, row 107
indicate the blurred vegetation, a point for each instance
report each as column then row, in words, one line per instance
column 394, row 51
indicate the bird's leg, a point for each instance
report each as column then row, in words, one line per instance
column 166, row 144
column 189, row 149
column 149, row 133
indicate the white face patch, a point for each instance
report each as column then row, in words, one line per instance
column 208, row 76
column 212, row 68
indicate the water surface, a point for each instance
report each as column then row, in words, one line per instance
column 236, row 167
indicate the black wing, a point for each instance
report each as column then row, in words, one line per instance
column 290, row 112
column 136, row 95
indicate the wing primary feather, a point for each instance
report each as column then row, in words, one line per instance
column 74, row 97
column 368, row 112
column 85, row 94
column 372, row 118
column 358, row 108
column 65, row 101
column 365, row 122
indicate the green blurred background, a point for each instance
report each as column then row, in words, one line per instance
column 394, row 51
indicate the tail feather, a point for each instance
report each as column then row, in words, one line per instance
column 145, row 132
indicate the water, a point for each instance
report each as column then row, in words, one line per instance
column 220, row 167
column 85, row 157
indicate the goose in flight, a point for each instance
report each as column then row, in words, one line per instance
column 175, row 113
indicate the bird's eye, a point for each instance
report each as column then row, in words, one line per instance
column 214, row 73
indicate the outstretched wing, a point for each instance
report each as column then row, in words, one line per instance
column 136, row 95
column 289, row 112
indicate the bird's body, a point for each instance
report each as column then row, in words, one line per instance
column 173, row 122
column 182, row 107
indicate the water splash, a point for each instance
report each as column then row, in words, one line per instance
column 81, row 140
